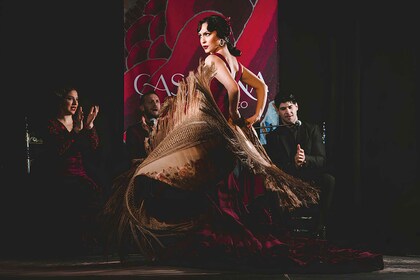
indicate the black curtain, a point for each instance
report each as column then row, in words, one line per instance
column 45, row 45
column 354, row 67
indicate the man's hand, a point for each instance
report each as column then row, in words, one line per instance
column 300, row 156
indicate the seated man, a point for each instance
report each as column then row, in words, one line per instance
column 297, row 148
column 137, row 135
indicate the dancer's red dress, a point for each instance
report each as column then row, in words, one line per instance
column 186, row 205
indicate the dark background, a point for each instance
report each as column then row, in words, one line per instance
column 353, row 66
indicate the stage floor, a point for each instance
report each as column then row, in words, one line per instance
column 99, row 267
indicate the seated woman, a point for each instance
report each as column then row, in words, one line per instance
column 71, row 196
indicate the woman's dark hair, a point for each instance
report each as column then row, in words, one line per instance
column 62, row 92
column 223, row 29
column 59, row 95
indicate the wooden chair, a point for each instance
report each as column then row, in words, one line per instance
column 303, row 221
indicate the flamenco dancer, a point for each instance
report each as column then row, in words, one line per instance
column 184, row 203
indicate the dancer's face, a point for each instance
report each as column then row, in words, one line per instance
column 208, row 40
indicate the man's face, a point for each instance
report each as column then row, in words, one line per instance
column 288, row 112
column 151, row 106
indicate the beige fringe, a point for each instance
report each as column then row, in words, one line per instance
column 187, row 120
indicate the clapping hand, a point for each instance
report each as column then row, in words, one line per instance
column 300, row 156
column 93, row 112
column 78, row 120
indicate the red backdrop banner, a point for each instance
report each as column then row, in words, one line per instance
column 162, row 46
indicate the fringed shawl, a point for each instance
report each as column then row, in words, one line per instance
column 193, row 147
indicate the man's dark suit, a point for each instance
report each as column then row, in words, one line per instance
column 282, row 146
column 135, row 140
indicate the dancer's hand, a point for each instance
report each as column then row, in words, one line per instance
column 251, row 120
